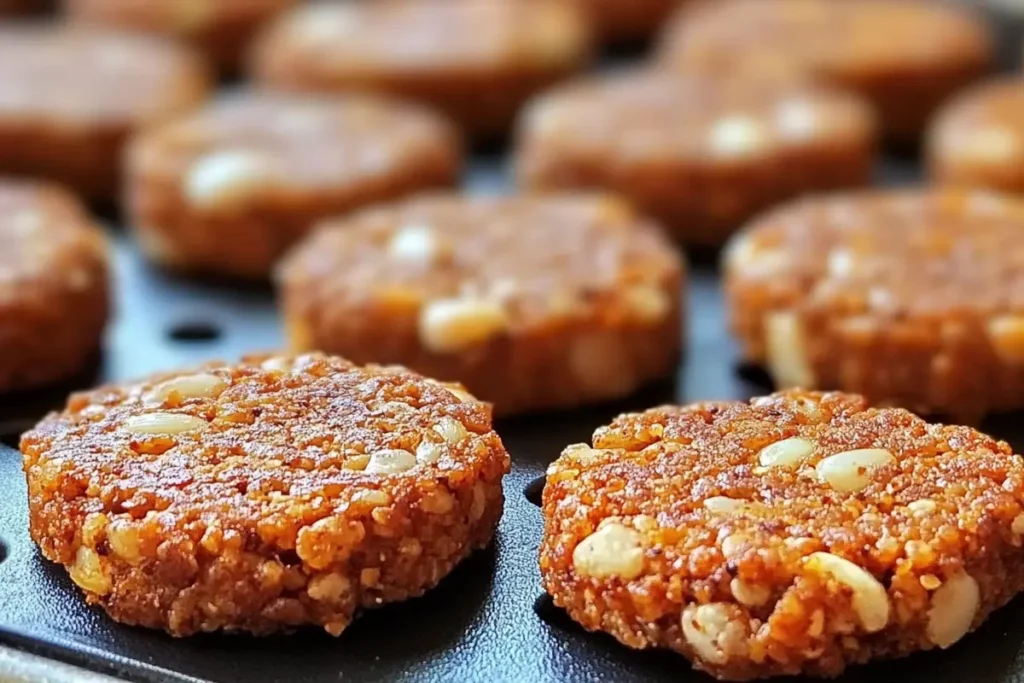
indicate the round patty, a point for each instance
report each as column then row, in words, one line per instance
column 53, row 285
column 70, row 97
column 904, row 56
column 220, row 29
column 263, row 496
column 475, row 61
column 978, row 138
column 532, row 302
column 227, row 189
column 794, row 534
column 912, row 298
column 699, row 153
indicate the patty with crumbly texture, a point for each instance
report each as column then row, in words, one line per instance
column 263, row 496
column 54, row 285
column 795, row 534
column 912, row 298
column 533, row 302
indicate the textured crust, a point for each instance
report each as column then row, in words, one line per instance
column 700, row 154
column 270, row 516
column 830, row 276
column 71, row 97
column 314, row 157
column 625, row 21
column 477, row 62
column 848, row 44
column 736, row 589
column 220, row 29
column 556, row 331
column 53, row 285
column 978, row 138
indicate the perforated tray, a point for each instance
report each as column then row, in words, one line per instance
column 489, row 621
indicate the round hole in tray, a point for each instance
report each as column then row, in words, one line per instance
column 534, row 491
column 194, row 331
column 3, row 550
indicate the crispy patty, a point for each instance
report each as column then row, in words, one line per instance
column 977, row 139
column 265, row 495
column 531, row 302
column 905, row 56
column 912, row 298
column 797, row 533
column 54, row 281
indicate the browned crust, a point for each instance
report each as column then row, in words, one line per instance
column 977, row 139
column 700, row 198
column 572, row 336
column 846, row 44
column 482, row 95
column 247, row 240
column 263, row 520
column 53, row 285
column 939, row 337
column 82, row 148
column 221, row 30
column 653, row 471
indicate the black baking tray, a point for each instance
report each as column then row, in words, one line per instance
column 489, row 621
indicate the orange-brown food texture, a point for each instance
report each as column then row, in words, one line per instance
column 905, row 56
column 220, row 29
column 227, row 189
column 699, row 153
column 977, row 139
column 70, row 97
column 268, row 511
column 733, row 586
column 912, row 298
column 477, row 62
column 532, row 302
column 53, row 285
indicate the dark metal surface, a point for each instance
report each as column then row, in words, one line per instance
column 486, row 622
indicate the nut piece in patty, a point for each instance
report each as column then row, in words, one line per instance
column 938, row 48
column 532, row 302
column 907, row 297
column 698, row 152
column 265, row 495
column 707, row 529
column 477, row 62
column 70, row 98
column 977, row 139
column 54, row 284
column 227, row 189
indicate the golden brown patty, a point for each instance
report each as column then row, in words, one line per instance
column 978, row 138
column 475, row 61
column 905, row 56
column 228, row 188
column 70, row 97
column 263, row 496
column 701, row 154
column 912, row 298
column 220, row 29
column 795, row 534
column 53, row 285
column 531, row 302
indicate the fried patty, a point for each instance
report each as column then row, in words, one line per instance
column 265, row 495
column 795, row 534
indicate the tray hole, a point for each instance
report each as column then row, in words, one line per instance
column 194, row 331
column 534, row 491
column 3, row 550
